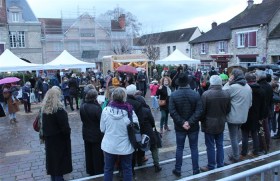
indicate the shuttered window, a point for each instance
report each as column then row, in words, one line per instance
column 246, row 39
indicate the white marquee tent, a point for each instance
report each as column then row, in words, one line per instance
column 9, row 62
column 65, row 61
column 176, row 58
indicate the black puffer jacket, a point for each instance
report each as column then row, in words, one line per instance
column 216, row 105
column 90, row 113
column 137, row 107
column 268, row 97
column 256, row 110
column 185, row 105
column 148, row 123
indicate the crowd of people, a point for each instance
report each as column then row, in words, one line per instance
column 247, row 102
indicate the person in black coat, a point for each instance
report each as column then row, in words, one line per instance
column 254, row 115
column 56, row 131
column 146, row 127
column 163, row 93
column 139, row 155
column 261, row 79
column 90, row 113
column 74, row 89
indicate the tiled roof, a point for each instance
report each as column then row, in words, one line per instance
column 256, row 15
column 51, row 25
column 182, row 35
column 221, row 32
column 275, row 34
column 27, row 13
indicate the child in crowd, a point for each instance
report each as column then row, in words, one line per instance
column 154, row 87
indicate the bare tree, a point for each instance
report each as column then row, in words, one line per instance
column 151, row 48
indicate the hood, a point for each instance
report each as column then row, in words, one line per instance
column 115, row 113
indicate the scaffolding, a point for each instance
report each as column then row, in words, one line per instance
column 83, row 35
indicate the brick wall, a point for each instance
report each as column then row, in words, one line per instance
column 3, row 15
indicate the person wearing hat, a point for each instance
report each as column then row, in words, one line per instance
column 185, row 108
column 241, row 101
column 251, row 126
column 216, row 106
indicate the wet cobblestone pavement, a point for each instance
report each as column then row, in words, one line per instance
column 22, row 156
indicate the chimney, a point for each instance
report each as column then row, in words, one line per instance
column 122, row 21
column 214, row 25
column 250, row 3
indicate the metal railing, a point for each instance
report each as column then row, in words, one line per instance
column 274, row 167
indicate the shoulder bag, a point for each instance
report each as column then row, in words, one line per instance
column 134, row 134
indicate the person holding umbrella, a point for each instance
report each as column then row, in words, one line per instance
column 12, row 106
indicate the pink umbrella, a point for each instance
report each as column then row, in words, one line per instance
column 8, row 80
column 127, row 69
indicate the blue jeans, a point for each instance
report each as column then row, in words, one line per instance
column 193, row 142
column 126, row 164
column 154, row 102
column 234, row 139
column 214, row 157
column 164, row 118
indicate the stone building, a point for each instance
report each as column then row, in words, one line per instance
column 250, row 37
column 4, row 41
column 24, row 31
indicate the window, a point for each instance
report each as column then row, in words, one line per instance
column 221, row 47
column 246, row 39
column 15, row 17
column 21, row 39
column 174, row 48
column 13, row 38
column 17, row 39
column 1, row 4
column 203, row 48
column 168, row 50
column 241, row 40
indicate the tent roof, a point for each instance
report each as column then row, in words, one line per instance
column 10, row 62
column 66, row 60
column 177, row 57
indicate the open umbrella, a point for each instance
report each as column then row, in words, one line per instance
column 8, row 80
column 127, row 69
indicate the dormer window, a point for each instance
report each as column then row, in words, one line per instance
column 15, row 17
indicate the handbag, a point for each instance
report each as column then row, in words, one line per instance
column 158, row 137
column 2, row 112
column 162, row 102
column 134, row 134
column 36, row 123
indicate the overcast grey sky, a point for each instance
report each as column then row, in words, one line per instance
column 155, row 15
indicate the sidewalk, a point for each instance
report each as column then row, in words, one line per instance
column 22, row 156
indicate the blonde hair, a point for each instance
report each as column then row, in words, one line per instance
column 52, row 102
column 162, row 80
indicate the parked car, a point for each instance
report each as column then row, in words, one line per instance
column 275, row 68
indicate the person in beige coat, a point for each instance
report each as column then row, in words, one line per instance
column 12, row 105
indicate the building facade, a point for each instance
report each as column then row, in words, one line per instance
column 4, row 40
column 164, row 43
column 245, row 39
column 24, row 31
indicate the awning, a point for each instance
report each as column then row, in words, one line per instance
column 248, row 56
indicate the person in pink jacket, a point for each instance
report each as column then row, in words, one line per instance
column 154, row 87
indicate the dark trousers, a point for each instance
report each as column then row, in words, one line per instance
column 76, row 99
column 245, row 139
column 67, row 98
column 57, row 178
column 94, row 158
column 27, row 105
column 266, row 135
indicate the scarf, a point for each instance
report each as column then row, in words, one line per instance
column 123, row 106
column 168, row 90
column 238, row 80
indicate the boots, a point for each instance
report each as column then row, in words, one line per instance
column 167, row 128
column 15, row 120
column 157, row 168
